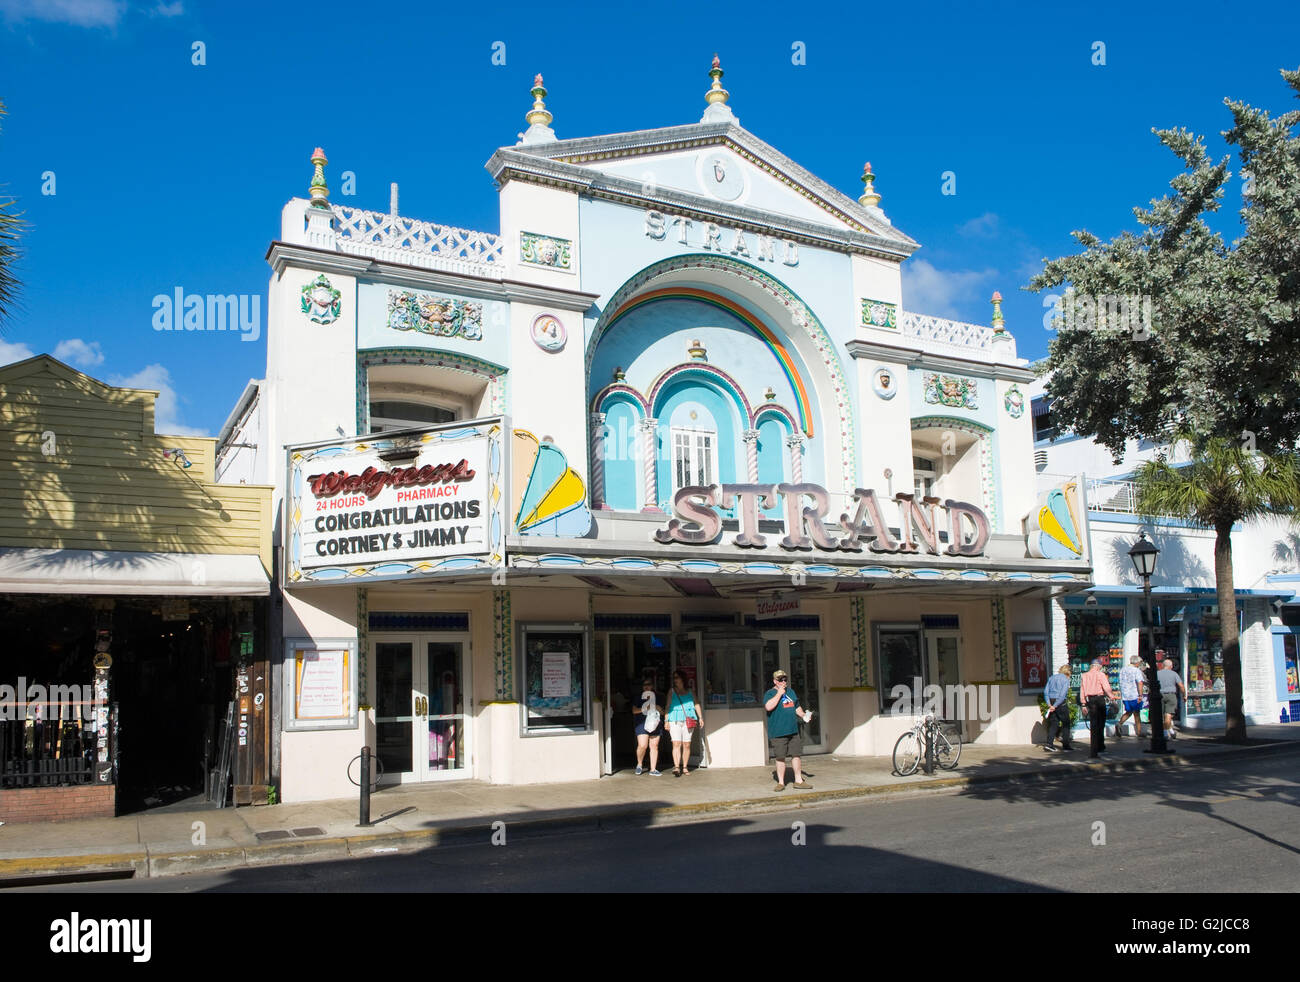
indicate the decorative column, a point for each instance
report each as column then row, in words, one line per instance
column 649, row 462
column 751, row 455
column 795, row 442
column 598, row 461
column 861, row 649
column 503, row 630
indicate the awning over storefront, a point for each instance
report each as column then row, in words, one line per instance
column 85, row 571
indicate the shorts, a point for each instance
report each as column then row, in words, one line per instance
column 1132, row 705
column 678, row 733
column 786, row 746
column 1170, row 702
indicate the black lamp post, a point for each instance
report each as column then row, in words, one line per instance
column 1144, row 555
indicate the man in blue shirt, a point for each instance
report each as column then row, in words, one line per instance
column 1057, row 693
column 783, row 715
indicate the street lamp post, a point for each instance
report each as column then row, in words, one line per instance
column 1144, row 555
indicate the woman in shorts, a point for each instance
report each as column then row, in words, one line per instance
column 643, row 705
column 681, row 708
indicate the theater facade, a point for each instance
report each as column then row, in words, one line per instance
column 674, row 414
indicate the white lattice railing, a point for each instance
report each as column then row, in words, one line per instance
column 937, row 330
column 1112, row 496
column 406, row 240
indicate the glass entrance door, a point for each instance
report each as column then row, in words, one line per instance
column 798, row 656
column 421, row 721
column 943, row 668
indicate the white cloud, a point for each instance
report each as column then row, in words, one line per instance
column 10, row 353
column 984, row 227
column 78, row 13
column 169, row 9
column 84, row 355
column 167, row 408
column 942, row 293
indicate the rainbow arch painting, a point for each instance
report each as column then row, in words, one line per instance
column 779, row 351
column 547, row 496
column 1055, row 528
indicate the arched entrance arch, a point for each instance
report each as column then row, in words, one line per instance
column 783, row 321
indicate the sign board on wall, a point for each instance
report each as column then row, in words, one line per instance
column 1032, row 663
column 401, row 504
column 320, row 683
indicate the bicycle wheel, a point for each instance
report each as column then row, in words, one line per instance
column 907, row 754
column 947, row 748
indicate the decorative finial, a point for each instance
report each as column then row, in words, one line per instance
column 538, row 114
column 717, row 97
column 539, row 118
column 770, row 394
column 619, row 374
column 697, row 351
column 998, row 324
column 870, row 198
column 320, row 192
column 716, row 92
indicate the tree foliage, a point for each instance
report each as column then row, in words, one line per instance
column 1221, row 353
column 11, row 226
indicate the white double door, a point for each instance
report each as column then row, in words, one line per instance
column 423, row 727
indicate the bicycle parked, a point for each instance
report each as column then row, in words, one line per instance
column 909, row 751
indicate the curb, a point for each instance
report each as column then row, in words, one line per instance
column 141, row 863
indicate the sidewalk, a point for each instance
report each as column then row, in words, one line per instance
column 407, row 819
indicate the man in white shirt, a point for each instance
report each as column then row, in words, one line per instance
column 1171, row 686
column 1130, row 693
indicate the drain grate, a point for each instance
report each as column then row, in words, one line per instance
column 276, row 834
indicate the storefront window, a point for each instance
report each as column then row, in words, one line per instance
column 1095, row 634
column 1290, row 658
column 1204, row 679
column 899, row 652
column 554, row 675
column 730, row 672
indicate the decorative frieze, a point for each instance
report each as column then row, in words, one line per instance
column 545, row 250
column 878, row 313
column 440, row 316
column 950, row 390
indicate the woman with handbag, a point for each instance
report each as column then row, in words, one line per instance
column 683, row 717
column 647, row 731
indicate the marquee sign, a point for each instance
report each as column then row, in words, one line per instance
column 698, row 523
column 396, row 505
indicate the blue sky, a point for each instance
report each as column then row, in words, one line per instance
column 168, row 174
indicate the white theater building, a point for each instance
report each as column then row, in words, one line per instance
column 517, row 469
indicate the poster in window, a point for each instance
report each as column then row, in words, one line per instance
column 1032, row 662
column 554, row 677
column 321, row 683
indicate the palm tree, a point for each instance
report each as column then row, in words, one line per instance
column 1223, row 484
column 11, row 224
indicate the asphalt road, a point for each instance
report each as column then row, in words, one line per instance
column 1192, row 829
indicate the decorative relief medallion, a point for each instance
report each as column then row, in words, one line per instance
column 548, row 333
column 320, row 301
column 544, row 250
column 877, row 313
column 950, row 390
column 1014, row 402
column 439, row 316
column 721, row 176
column 883, row 383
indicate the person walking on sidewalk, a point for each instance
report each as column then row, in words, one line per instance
column 647, row 726
column 1130, row 694
column 1095, row 695
column 1171, row 687
column 683, row 716
column 783, row 715
column 1057, row 695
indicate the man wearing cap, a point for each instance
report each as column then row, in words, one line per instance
column 783, row 715
column 1096, row 696
column 1171, row 687
column 1058, row 712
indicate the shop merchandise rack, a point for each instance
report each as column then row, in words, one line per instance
column 1093, row 634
